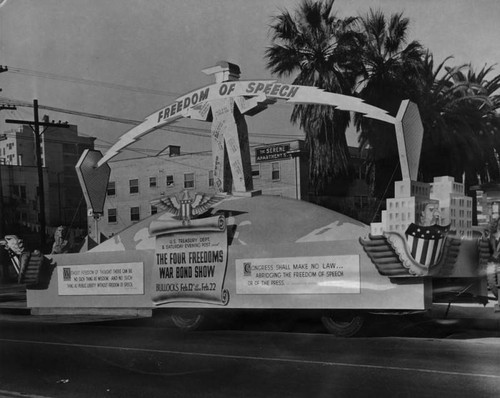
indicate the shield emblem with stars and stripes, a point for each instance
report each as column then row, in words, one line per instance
column 186, row 209
column 426, row 243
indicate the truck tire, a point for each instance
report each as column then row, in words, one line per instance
column 188, row 322
column 343, row 324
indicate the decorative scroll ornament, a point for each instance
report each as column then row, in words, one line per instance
column 191, row 253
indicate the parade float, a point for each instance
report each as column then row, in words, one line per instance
column 240, row 250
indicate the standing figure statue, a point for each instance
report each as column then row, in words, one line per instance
column 61, row 245
column 494, row 235
column 493, row 264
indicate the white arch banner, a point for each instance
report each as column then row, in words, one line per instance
column 247, row 95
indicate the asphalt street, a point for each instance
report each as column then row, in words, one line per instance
column 253, row 356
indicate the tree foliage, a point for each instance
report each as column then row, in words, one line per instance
column 320, row 50
column 371, row 57
column 390, row 72
column 458, row 108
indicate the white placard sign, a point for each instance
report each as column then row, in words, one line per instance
column 298, row 275
column 101, row 279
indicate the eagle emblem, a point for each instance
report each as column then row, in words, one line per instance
column 13, row 244
column 26, row 264
column 186, row 207
column 422, row 250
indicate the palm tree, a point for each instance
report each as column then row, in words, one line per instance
column 391, row 70
column 458, row 109
column 317, row 48
column 486, row 103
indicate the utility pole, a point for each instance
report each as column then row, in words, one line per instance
column 35, row 126
column 2, row 138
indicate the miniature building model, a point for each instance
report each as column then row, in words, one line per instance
column 403, row 209
column 412, row 198
column 455, row 207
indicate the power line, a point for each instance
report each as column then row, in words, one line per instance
column 193, row 131
column 165, row 158
column 97, row 83
column 199, row 132
column 144, row 151
column 90, row 82
column 71, row 112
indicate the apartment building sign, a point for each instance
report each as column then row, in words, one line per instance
column 272, row 152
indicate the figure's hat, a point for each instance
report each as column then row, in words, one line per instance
column 224, row 71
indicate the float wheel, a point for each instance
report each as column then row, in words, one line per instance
column 343, row 324
column 188, row 322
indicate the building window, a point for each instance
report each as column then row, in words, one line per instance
column 256, row 170
column 189, row 180
column 14, row 190
column 112, row 216
column 69, row 148
column 22, row 193
column 361, row 201
column 134, row 185
column 275, row 171
column 152, row 182
column 111, row 188
column 135, row 214
column 210, row 178
column 170, row 181
column 154, row 209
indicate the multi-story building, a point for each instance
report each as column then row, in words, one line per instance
column 281, row 169
column 60, row 150
column 277, row 169
column 20, row 195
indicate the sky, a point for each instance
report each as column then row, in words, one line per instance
column 129, row 58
